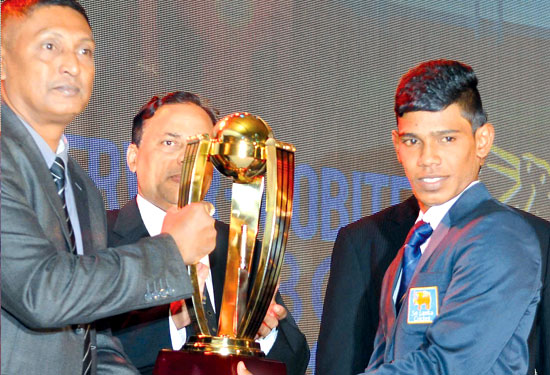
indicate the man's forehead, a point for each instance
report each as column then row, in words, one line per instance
column 43, row 18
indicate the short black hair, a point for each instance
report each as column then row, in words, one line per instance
column 23, row 7
column 149, row 109
column 434, row 85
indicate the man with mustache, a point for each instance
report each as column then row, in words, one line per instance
column 58, row 276
column 159, row 135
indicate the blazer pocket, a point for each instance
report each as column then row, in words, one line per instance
column 423, row 301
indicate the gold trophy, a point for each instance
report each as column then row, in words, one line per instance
column 244, row 149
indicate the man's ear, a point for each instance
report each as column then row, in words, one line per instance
column 484, row 137
column 131, row 157
column 395, row 139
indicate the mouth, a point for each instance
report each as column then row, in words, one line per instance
column 67, row 90
column 175, row 178
column 431, row 182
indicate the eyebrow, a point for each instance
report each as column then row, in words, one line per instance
column 174, row 135
column 434, row 133
column 59, row 35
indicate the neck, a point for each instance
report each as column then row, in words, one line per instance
column 50, row 131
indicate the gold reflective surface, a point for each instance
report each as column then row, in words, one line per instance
column 244, row 149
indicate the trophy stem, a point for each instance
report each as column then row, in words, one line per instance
column 245, row 205
column 280, row 183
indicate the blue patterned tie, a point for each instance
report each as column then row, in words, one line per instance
column 418, row 234
column 57, row 171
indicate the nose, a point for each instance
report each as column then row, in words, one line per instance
column 69, row 64
column 430, row 155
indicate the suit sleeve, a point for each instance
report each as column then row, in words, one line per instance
column 110, row 355
column 492, row 296
column 45, row 286
column 345, row 341
column 290, row 346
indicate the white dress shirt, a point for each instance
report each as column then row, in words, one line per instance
column 153, row 218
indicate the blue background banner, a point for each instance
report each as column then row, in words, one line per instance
column 323, row 75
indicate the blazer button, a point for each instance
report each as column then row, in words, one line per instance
column 209, row 313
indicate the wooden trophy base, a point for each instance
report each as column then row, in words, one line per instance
column 170, row 362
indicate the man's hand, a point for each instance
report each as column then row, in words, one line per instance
column 180, row 315
column 275, row 313
column 192, row 228
column 242, row 370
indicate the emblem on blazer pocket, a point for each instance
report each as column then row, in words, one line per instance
column 423, row 305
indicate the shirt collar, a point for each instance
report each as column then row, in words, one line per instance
column 47, row 153
column 153, row 217
column 435, row 214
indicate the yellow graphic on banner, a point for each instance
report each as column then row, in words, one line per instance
column 530, row 178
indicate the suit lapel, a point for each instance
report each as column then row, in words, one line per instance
column 388, row 306
column 14, row 128
column 403, row 220
column 436, row 238
column 129, row 226
column 81, row 199
column 467, row 202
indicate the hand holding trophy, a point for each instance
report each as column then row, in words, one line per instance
column 244, row 149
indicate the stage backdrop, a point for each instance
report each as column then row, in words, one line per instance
column 323, row 75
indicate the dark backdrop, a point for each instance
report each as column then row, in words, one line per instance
column 322, row 74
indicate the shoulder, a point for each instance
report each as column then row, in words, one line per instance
column 383, row 222
column 112, row 216
column 497, row 233
column 541, row 226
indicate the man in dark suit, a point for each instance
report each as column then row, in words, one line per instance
column 363, row 250
column 159, row 133
column 461, row 295
column 58, row 276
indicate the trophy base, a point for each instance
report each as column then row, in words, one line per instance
column 223, row 345
column 170, row 362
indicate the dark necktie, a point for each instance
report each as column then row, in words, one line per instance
column 58, row 174
column 418, row 234
column 209, row 311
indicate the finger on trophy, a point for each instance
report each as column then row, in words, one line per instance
column 242, row 370
column 209, row 207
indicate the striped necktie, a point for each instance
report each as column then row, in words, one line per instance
column 58, row 174
column 418, row 234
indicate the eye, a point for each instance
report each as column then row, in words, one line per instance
column 86, row 52
column 48, row 46
column 169, row 143
column 409, row 141
column 448, row 139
